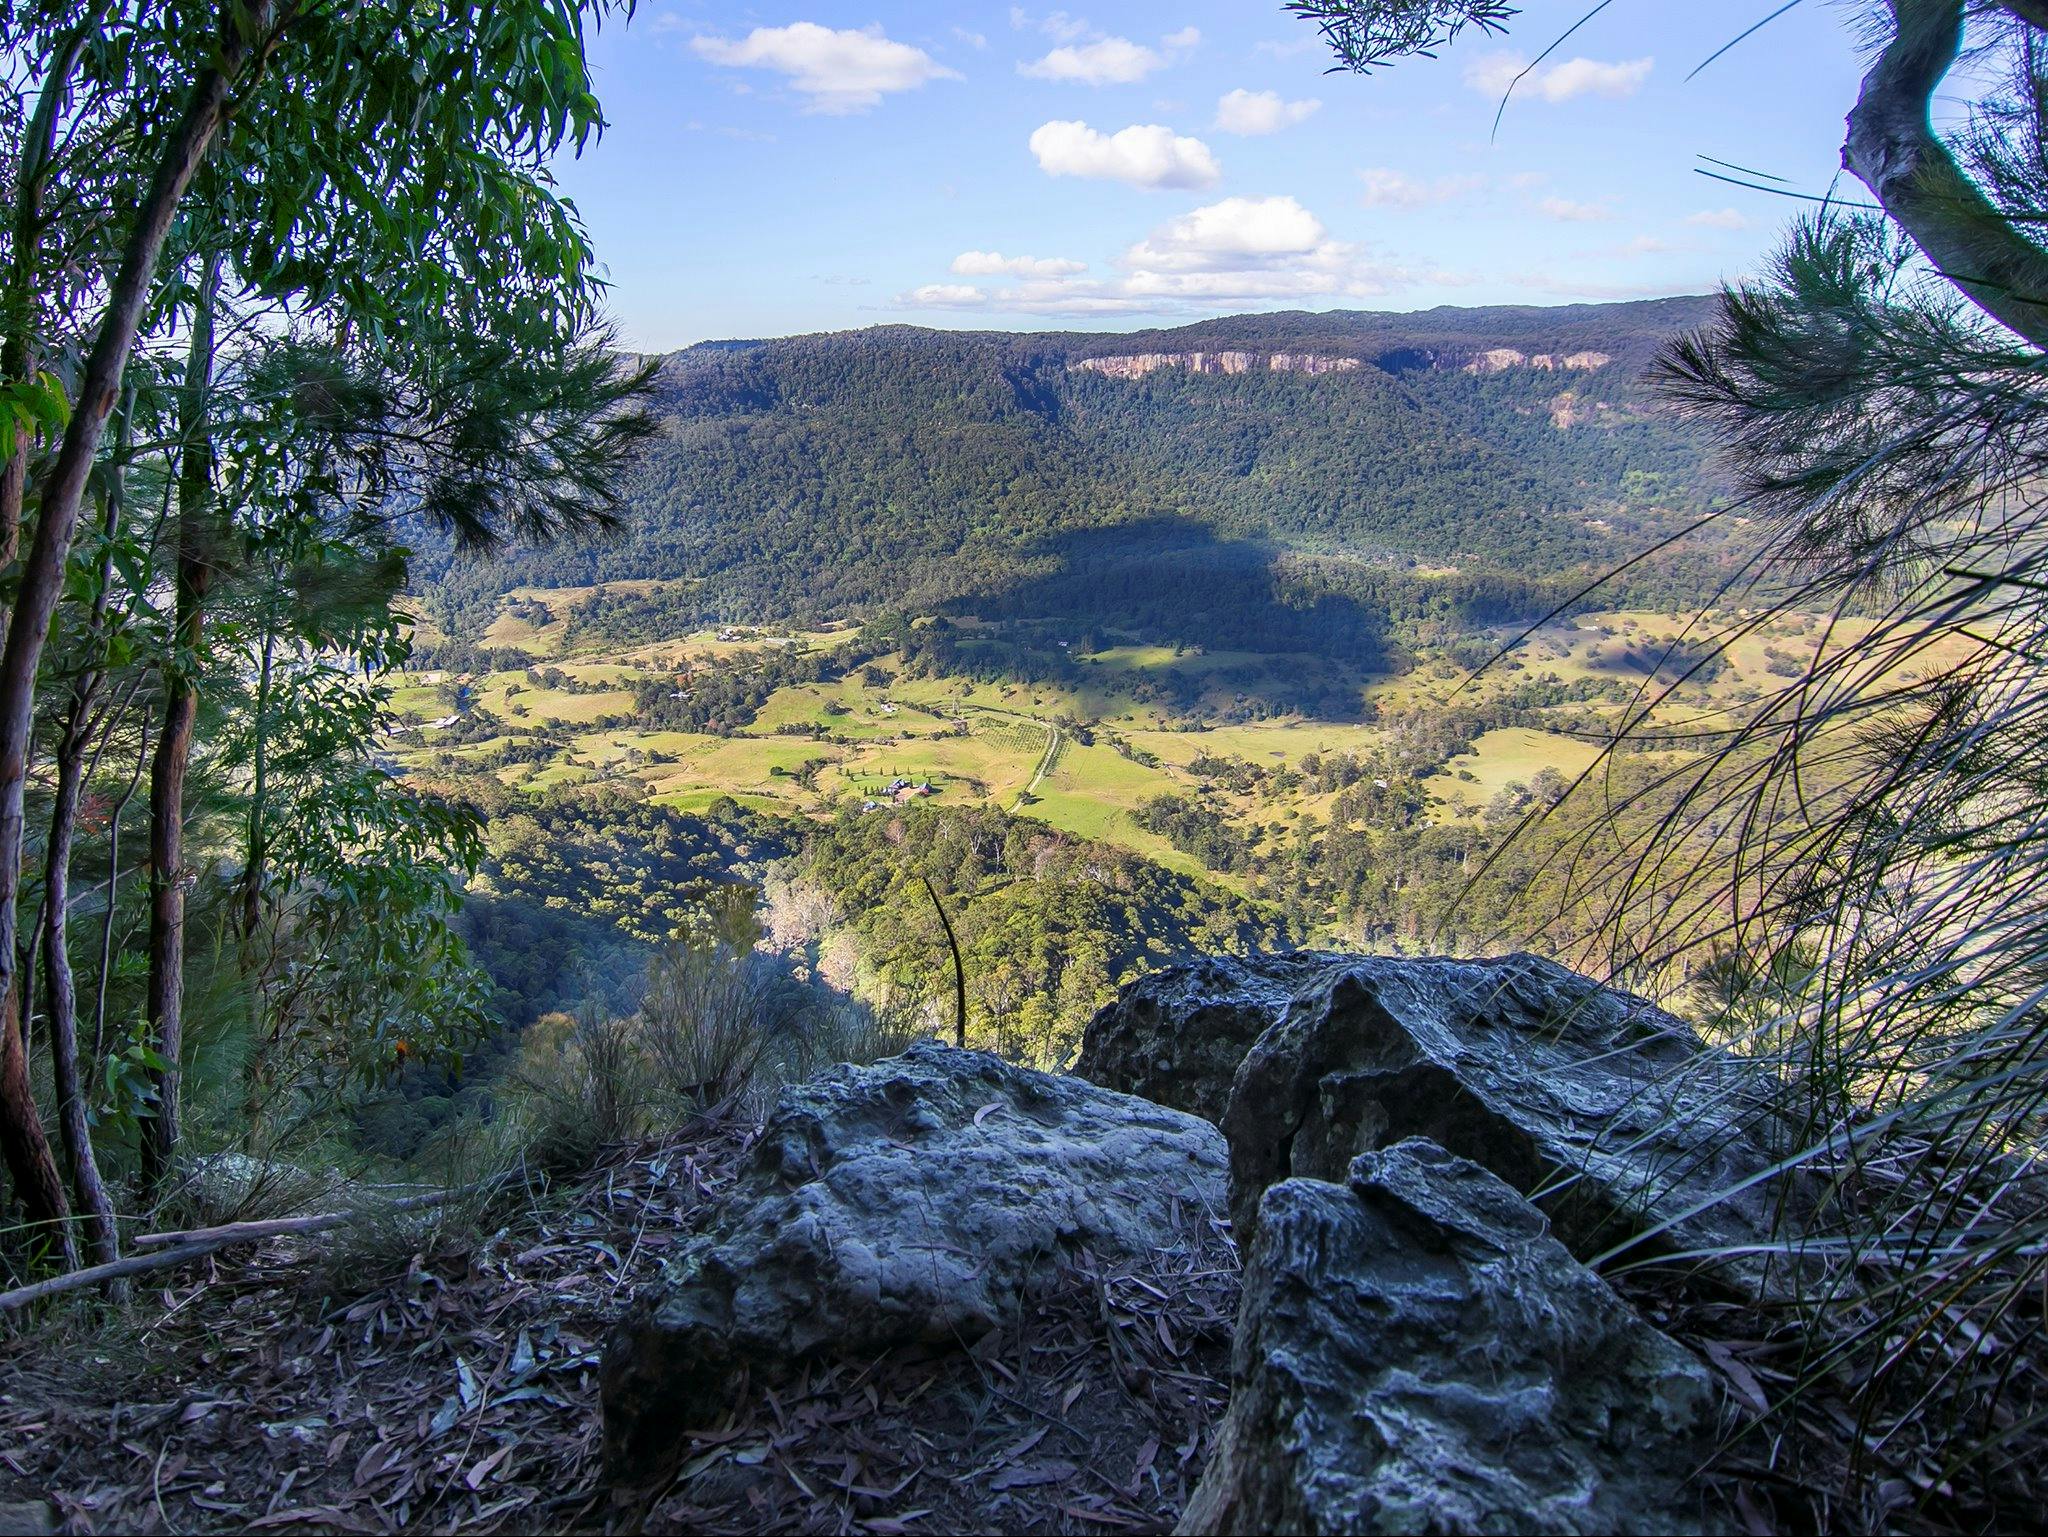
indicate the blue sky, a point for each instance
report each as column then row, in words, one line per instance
column 778, row 169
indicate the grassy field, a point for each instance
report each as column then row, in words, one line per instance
column 1513, row 754
column 814, row 746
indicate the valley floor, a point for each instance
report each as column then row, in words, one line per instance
column 1117, row 726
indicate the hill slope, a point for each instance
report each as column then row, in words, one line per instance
column 1246, row 472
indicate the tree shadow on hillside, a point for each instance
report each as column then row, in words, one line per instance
column 1176, row 582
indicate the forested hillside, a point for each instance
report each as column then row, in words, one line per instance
column 1333, row 469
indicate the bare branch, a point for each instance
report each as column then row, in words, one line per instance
column 1893, row 149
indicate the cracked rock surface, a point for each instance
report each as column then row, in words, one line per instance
column 1416, row 1353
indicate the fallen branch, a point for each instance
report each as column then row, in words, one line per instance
column 93, row 1275
column 277, row 1227
column 174, row 1248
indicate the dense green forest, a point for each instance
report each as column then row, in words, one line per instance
column 1048, row 925
column 983, row 473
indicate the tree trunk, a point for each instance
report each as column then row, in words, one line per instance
column 174, row 743
column 41, row 580
column 1894, row 151
column 18, row 353
column 93, row 1201
column 111, row 900
column 257, row 852
column 22, row 1141
column 27, row 1150
column 73, row 744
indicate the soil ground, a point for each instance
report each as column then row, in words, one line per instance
column 454, row 1389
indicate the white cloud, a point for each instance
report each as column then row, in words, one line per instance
column 1243, row 251
column 1386, row 188
column 971, row 39
column 1111, row 61
column 1245, row 248
column 839, row 71
column 1236, row 232
column 1566, row 211
column 1719, row 218
column 1253, row 113
column 983, row 264
column 1144, row 155
column 1494, row 73
column 944, row 296
column 1186, row 37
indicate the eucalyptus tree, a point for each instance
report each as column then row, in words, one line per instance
column 1858, row 863
column 380, row 166
column 345, row 892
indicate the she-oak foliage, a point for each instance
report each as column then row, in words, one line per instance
column 279, row 276
column 1855, row 867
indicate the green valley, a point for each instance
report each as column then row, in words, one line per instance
column 1226, row 601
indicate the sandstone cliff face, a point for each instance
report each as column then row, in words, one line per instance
column 1137, row 365
column 1493, row 361
column 1501, row 359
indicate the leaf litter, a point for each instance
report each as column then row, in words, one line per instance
column 460, row 1393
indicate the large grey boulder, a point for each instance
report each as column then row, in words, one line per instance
column 1416, row 1353
column 923, row 1198
column 1178, row 1035
column 1605, row 1109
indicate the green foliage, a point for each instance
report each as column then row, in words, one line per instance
column 1049, row 925
column 573, row 892
column 31, row 408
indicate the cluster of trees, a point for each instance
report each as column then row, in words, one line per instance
column 572, row 889
column 575, row 896
column 725, row 695
column 277, row 278
column 1048, row 925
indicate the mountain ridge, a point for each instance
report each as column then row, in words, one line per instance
column 901, row 467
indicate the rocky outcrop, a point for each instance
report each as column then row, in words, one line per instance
column 1177, row 1036
column 1415, row 1353
column 1498, row 360
column 1137, row 365
column 1607, row 1111
column 919, row 1199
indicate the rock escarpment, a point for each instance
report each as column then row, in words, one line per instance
column 1137, row 365
column 1605, row 1110
column 924, row 1198
column 1416, row 1353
